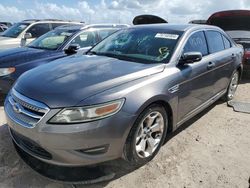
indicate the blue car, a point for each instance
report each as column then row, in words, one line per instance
column 59, row 43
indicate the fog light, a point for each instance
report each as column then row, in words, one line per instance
column 95, row 151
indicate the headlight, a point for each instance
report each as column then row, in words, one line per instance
column 7, row 71
column 90, row 113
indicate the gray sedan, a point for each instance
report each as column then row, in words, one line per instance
column 124, row 96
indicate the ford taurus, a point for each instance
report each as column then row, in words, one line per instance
column 124, row 96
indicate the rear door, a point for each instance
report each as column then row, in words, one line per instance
column 223, row 56
column 197, row 85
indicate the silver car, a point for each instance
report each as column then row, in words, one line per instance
column 26, row 31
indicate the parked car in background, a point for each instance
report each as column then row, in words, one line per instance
column 236, row 23
column 24, row 32
column 125, row 96
column 3, row 28
column 8, row 24
column 198, row 21
column 59, row 43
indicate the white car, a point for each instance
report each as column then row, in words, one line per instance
column 26, row 31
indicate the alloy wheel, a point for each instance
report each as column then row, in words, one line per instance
column 149, row 134
column 233, row 85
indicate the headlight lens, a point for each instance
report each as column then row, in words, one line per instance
column 7, row 71
column 84, row 114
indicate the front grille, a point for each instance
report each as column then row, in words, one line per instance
column 24, row 110
column 30, row 145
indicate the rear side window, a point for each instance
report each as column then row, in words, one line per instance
column 104, row 33
column 85, row 39
column 197, row 43
column 38, row 30
column 215, row 41
column 227, row 43
column 55, row 25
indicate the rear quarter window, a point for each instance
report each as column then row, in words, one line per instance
column 215, row 41
column 227, row 43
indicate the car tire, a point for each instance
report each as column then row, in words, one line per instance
column 233, row 84
column 149, row 129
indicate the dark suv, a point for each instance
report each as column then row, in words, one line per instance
column 125, row 96
column 63, row 41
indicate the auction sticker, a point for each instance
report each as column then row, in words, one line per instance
column 166, row 36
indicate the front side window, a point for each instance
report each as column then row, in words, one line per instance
column 215, row 41
column 85, row 39
column 39, row 29
column 52, row 40
column 15, row 30
column 143, row 45
column 197, row 43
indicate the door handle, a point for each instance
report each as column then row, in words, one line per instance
column 210, row 65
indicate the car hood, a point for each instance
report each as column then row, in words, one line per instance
column 17, row 56
column 8, row 42
column 66, row 82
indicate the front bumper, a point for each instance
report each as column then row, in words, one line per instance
column 71, row 145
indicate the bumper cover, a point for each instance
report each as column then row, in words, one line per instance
column 75, row 144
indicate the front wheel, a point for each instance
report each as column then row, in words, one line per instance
column 147, row 135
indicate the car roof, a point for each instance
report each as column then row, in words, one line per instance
column 176, row 27
column 83, row 26
column 48, row 20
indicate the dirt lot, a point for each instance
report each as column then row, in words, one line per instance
column 211, row 150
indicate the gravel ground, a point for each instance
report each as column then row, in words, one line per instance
column 211, row 150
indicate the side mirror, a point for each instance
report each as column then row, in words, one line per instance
column 72, row 49
column 27, row 36
column 190, row 57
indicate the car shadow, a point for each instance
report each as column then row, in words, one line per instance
column 94, row 176
column 122, row 168
column 245, row 81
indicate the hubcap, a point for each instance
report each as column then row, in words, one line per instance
column 233, row 85
column 149, row 134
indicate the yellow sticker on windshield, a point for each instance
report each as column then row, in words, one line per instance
column 167, row 36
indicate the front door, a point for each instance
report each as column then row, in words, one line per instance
column 196, row 86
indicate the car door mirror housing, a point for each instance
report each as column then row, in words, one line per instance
column 27, row 36
column 72, row 49
column 190, row 57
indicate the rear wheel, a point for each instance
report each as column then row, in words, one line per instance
column 232, row 87
column 147, row 135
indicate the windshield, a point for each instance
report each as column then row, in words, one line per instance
column 52, row 40
column 15, row 30
column 140, row 45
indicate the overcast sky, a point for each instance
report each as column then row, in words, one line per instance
column 114, row 11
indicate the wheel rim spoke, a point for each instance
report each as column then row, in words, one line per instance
column 149, row 121
column 141, row 146
column 151, row 145
column 156, row 127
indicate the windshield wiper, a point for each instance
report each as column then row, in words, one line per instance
column 91, row 53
